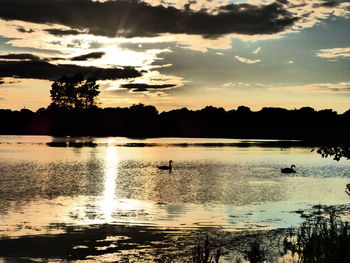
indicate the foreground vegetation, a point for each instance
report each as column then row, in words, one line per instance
column 321, row 238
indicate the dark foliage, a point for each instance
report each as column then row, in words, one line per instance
column 321, row 238
column 335, row 151
column 204, row 252
column 145, row 121
column 256, row 254
column 74, row 93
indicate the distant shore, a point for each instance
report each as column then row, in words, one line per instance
column 140, row 121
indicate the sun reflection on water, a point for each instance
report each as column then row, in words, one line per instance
column 108, row 202
column 228, row 187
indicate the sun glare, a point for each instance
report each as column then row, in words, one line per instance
column 108, row 202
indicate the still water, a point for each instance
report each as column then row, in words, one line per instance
column 224, row 183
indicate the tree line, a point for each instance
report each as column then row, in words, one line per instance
column 74, row 111
column 145, row 121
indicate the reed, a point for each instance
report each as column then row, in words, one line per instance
column 321, row 238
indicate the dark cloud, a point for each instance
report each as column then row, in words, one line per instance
column 31, row 57
column 263, row 19
column 139, row 87
column 329, row 4
column 46, row 70
column 63, row 32
column 23, row 30
column 131, row 18
column 21, row 56
column 285, row 2
column 1, row 82
column 93, row 55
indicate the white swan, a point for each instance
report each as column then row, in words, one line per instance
column 166, row 167
column 288, row 170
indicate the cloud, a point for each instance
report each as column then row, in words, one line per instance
column 248, row 61
column 341, row 87
column 235, row 84
column 23, row 30
column 334, row 53
column 131, row 18
column 45, row 70
column 141, row 87
column 20, row 56
column 32, row 57
column 63, row 32
column 198, row 43
column 198, row 25
column 313, row 12
column 326, row 4
column 92, row 55
column 256, row 51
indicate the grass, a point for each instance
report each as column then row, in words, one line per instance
column 204, row 252
column 321, row 238
column 256, row 254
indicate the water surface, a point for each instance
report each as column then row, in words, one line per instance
column 49, row 182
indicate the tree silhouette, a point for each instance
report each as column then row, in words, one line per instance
column 337, row 152
column 74, row 93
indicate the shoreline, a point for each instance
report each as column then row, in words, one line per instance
column 121, row 243
column 133, row 243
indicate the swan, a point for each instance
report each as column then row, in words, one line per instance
column 288, row 170
column 166, row 167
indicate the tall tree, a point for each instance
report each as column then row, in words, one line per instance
column 74, row 93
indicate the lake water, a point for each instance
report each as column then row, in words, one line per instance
column 224, row 183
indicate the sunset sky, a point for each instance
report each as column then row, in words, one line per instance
column 174, row 54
